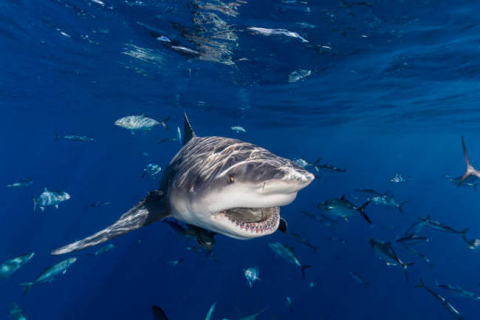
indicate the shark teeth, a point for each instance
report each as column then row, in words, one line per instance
column 268, row 225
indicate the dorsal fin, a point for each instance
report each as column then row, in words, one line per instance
column 188, row 133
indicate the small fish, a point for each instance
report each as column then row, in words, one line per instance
column 100, row 204
column 137, row 123
column 15, row 312
column 473, row 244
column 174, row 263
column 415, row 228
column 210, row 311
column 289, row 304
column 471, row 181
column 398, row 178
column 21, row 184
column 458, row 291
column 278, row 32
column 442, row 300
column 158, row 313
column 327, row 167
column 287, row 254
column 50, row 198
column 9, row 267
column 251, row 274
column 343, row 208
column 358, row 278
column 369, row 192
column 437, row 225
column 151, row 169
column 412, row 239
column 388, row 201
column 166, row 140
column 298, row 75
column 384, row 251
column 239, row 129
column 50, row 273
column 203, row 237
column 145, row 154
column 304, row 241
column 179, row 136
column 72, row 138
column 421, row 255
column 102, row 250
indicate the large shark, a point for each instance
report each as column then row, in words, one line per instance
column 220, row 184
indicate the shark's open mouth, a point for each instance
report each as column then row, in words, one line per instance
column 255, row 220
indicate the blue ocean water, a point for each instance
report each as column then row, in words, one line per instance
column 375, row 87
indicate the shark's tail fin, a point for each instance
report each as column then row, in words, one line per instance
column 362, row 212
column 27, row 285
column 147, row 211
column 471, row 171
column 400, row 206
column 303, row 270
column 405, row 266
column 421, row 284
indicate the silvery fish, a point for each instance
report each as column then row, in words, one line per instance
column 179, row 136
column 50, row 273
column 458, row 291
column 151, row 169
column 384, row 251
column 398, row 178
column 21, row 184
column 358, row 278
column 442, row 300
column 210, row 311
column 137, row 123
column 278, row 32
column 387, row 201
column 9, row 267
column 287, row 254
column 50, row 198
column 72, row 138
column 343, row 208
column 251, row 274
column 15, row 312
column 412, row 239
column 442, row 227
column 327, row 167
column 239, row 129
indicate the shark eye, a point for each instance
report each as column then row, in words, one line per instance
column 231, row 179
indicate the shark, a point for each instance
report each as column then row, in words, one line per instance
column 471, row 175
column 223, row 185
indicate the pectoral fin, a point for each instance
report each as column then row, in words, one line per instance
column 147, row 211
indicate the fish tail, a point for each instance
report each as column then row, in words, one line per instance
column 401, row 205
column 362, row 212
column 463, row 233
column 303, row 270
column 405, row 266
column 315, row 164
column 27, row 285
column 421, row 284
column 471, row 171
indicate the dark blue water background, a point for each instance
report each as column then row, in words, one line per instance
column 393, row 87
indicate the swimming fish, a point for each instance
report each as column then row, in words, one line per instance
column 137, row 123
column 388, row 201
column 21, row 184
column 219, row 184
column 458, row 291
column 304, row 241
column 10, row 266
column 50, row 273
column 15, row 312
column 343, row 208
column 239, row 129
column 251, row 274
column 103, row 249
column 288, row 255
column 72, row 138
column 50, row 198
column 278, row 32
column 398, row 178
column 151, row 169
column 437, row 225
column 384, row 251
column 442, row 300
column 210, row 312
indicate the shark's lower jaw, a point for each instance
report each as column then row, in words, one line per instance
column 253, row 222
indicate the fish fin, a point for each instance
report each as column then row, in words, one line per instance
column 421, row 284
column 147, row 211
column 158, row 313
column 303, row 270
column 283, row 226
column 27, row 285
column 470, row 169
column 362, row 212
column 188, row 134
column 405, row 266
column 401, row 205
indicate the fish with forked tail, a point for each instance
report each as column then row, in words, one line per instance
column 442, row 300
column 343, row 208
column 384, row 251
column 287, row 254
column 9, row 267
column 49, row 198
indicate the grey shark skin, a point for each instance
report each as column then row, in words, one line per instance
column 471, row 171
column 219, row 184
